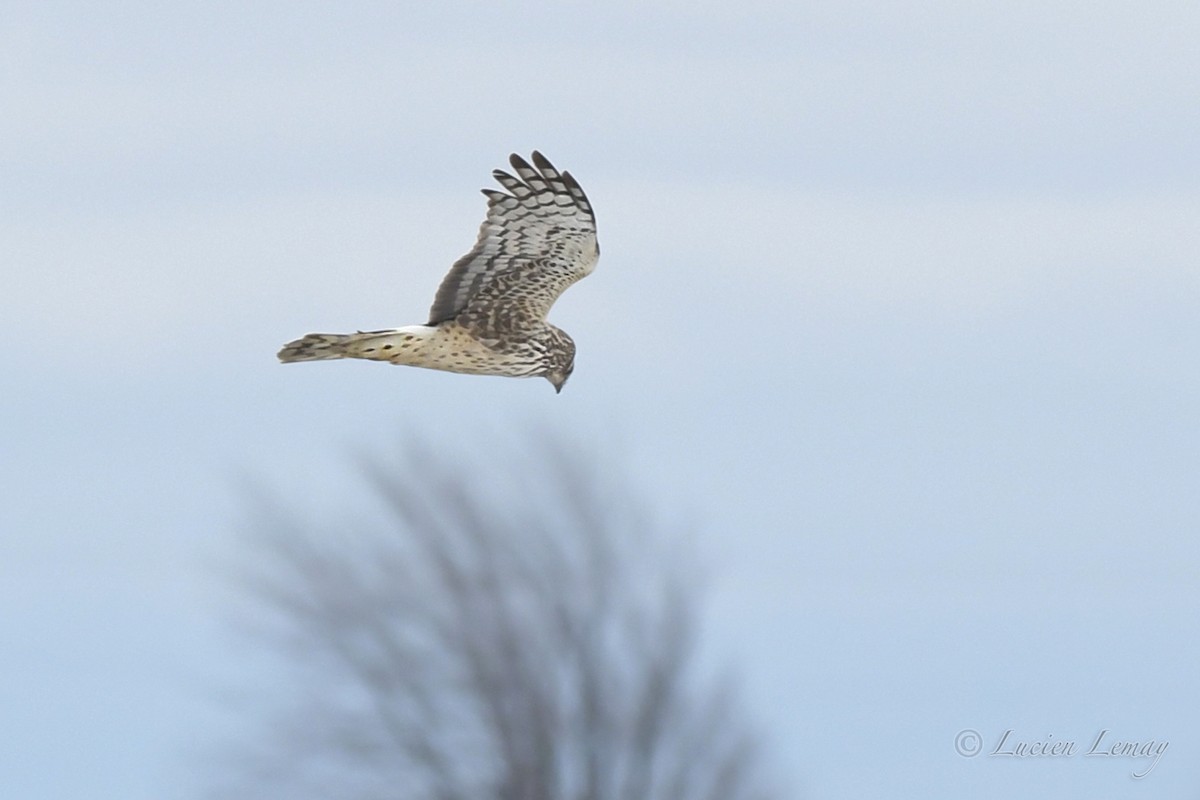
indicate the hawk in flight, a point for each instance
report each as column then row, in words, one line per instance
column 489, row 315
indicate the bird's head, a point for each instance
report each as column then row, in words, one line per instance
column 558, row 377
column 560, row 358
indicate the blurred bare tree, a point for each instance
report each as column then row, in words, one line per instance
column 524, row 632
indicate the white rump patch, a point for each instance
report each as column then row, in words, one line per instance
column 420, row 331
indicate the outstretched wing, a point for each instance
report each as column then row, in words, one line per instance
column 539, row 237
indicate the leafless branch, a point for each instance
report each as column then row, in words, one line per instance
column 516, row 629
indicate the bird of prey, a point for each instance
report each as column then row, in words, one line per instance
column 489, row 315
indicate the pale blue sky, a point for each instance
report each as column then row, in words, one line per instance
column 899, row 300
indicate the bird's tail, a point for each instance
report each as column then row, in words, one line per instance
column 316, row 347
column 390, row 345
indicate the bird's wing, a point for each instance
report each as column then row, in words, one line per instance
column 539, row 237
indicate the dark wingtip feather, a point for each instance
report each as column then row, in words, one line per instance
column 517, row 162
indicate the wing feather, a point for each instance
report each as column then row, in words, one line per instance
column 541, row 231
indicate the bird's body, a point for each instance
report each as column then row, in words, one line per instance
column 489, row 316
column 448, row 346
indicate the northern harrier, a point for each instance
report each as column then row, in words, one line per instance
column 489, row 316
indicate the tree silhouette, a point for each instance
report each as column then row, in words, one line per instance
column 522, row 631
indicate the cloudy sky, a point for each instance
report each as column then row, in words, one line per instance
column 898, row 302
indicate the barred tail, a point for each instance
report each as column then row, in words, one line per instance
column 316, row 347
column 398, row 346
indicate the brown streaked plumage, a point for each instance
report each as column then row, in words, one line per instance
column 489, row 315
